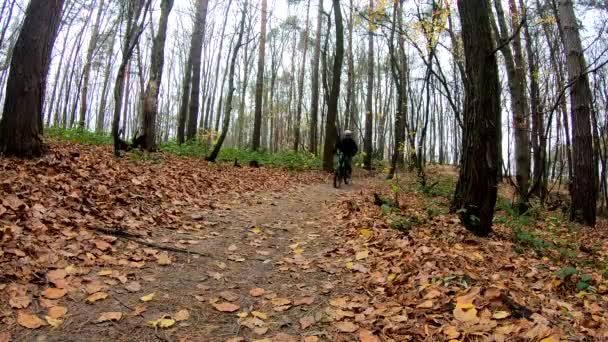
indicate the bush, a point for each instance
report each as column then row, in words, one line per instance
column 78, row 136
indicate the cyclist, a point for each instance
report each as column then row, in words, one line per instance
column 349, row 149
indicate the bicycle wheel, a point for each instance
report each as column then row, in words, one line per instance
column 337, row 180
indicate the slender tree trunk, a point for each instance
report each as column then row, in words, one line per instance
column 156, row 74
column 296, row 143
column 476, row 189
column 583, row 188
column 101, row 113
column 87, row 66
column 259, row 83
column 183, row 109
column 21, row 124
column 314, row 110
column 195, row 56
column 369, row 116
column 228, row 109
column 332, row 106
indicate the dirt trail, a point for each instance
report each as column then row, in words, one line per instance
column 279, row 242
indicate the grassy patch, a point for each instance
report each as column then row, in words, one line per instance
column 78, row 136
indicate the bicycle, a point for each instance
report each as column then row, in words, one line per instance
column 340, row 170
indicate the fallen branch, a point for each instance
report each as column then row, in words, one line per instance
column 138, row 239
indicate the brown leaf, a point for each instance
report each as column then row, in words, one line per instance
column 163, row 259
column 347, row 327
column 109, row 316
column 260, row 330
column 55, row 275
column 181, row 315
column 97, row 296
column 57, row 311
column 20, row 302
column 133, row 286
column 306, row 321
column 311, row 339
column 303, row 301
column 29, row 321
column 427, row 304
column 367, row 336
column 5, row 336
column 229, row 296
column 54, row 293
column 102, row 245
column 280, row 301
column 226, row 307
column 282, row 337
column 256, row 292
column 95, row 286
column 13, row 202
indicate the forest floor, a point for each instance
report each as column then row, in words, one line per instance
column 176, row 249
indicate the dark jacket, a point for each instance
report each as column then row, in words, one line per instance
column 348, row 146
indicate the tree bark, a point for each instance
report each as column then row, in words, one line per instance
column 156, row 74
column 296, row 143
column 196, row 48
column 583, row 187
column 314, row 110
column 476, row 190
column 332, row 105
column 228, row 109
column 21, row 124
column 369, row 118
column 259, row 83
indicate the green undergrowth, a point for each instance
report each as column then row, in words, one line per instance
column 286, row 159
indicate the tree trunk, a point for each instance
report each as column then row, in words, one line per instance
column 476, row 190
column 314, row 110
column 296, row 143
column 21, row 124
column 104, row 89
column 332, row 105
column 369, row 118
column 156, row 74
column 228, row 109
column 259, row 83
column 583, row 187
column 196, row 48
column 183, row 109
column 87, row 66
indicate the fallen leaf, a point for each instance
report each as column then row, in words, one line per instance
column 163, row 259
column 229, row 296
column 139, row 309
column 306, row 322
column 181, row 315
column 57, row 311
column 163, row 322
column 451, row 332
column 347, row 327
column 29, row 321
column 303, row 301
column 259, row 315
column 256, row 292
column 54, row 322
column 501, row 314
column 465, row 312
column 20, row 302
column 56, row 275
column 133, row 286
column 95, row 286
column 5, row 336
column 97, row 296
column 311, row 339
column 104, row 273
column 256, row 230
column 226, row 307
column 232, row 248
column 362, row 255
column 280, row 301
column 367, row 336
column 54, row 293
column 365, row 233
column 147, row 297
column 427, row 304
column 102, row 245
column 109, row 316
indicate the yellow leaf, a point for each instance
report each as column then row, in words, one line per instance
column 451, row 332
column 29, row 321
column 104, row 273
column 366, row 233
column 182, row 315
column 294, row 245
column 54, row 322
column 548, row 339
column 163, row 322
column 97, row 296
column 259, row 315
column 280, row 301
column 465, row 313
column 362, row 255
column 70, row 269
column 163, row 259
column 391, row 276
column 501, row 314
column 109, row 316
column 256, row 230
column 350, row 265
column 263, row 340
column 242, row 314
column 148, row 297
column 427, row 304
column 298, row 251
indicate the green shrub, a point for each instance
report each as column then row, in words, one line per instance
column 78, row 136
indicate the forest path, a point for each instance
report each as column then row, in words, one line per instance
column 278, row 243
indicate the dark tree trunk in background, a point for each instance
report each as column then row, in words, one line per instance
column 314, row 110
column 476, row 191
column 583, row 187
column 228, row 109
column 21, row 125
column 196, row 50
column 369, row 118
column 156, row 74
column 296, row 143
column 259, row 83
column 183, row 107
column 332, row 105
